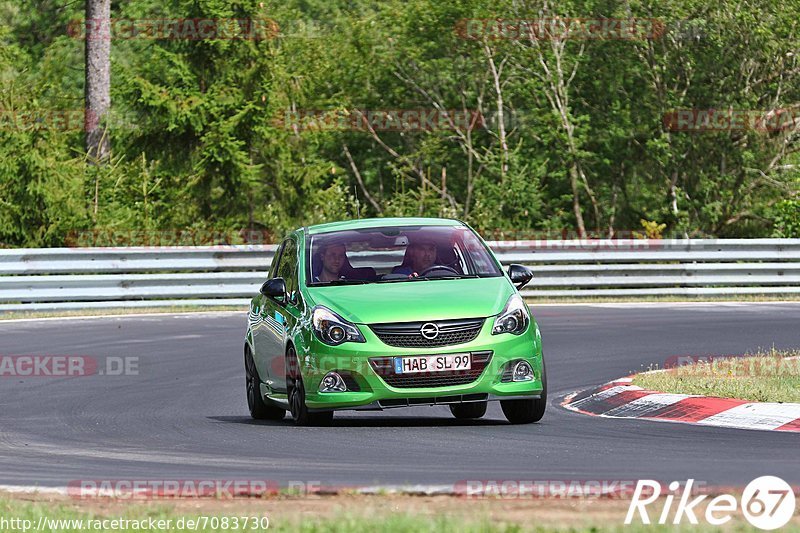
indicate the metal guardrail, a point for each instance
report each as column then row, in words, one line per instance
column 82, row 278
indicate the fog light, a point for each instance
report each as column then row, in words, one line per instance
column 332, row 382
column 522, row 372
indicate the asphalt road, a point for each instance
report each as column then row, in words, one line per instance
column 184, row 416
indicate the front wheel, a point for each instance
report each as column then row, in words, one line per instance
column 297, row 400
column 259, row 409
column 466, row 411
column 526, row 411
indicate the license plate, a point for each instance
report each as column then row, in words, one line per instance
column 432, row 363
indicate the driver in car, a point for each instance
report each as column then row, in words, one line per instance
column 422, row 256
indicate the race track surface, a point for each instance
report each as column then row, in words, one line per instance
column 184, row 417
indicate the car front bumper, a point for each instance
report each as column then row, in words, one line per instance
column 354, row 360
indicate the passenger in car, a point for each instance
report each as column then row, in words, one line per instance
column 333, row 260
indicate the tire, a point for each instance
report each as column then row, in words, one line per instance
column 465, row 411
column 259, row 409
column 297, row 398
column 527, row 411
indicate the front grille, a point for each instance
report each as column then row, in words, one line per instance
column 384, row 367
column 407, row 334
column 349, row 381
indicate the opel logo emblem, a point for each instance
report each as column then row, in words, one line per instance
column 429, row 330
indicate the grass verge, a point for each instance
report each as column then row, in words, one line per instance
column 772, row 376
column 346, row 513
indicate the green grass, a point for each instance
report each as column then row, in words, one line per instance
column 341, row 521
column 762, row 377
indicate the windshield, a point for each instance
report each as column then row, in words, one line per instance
column 397, row 254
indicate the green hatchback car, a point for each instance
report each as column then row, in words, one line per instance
column 374, row 314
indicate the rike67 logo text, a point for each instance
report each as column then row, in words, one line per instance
column 768, row 502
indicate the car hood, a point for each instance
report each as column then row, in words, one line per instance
column 413, row 301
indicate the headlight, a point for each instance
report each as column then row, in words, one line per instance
column 513, row 319
column 332, row 329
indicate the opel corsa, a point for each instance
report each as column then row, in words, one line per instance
column 382, row 313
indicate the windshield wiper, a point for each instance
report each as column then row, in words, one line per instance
column 340, row 282
column 426, row 278
column 401, row 280
column 459, row 276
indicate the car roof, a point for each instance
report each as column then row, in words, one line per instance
column 381, row 223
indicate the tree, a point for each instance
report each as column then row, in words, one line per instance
column 97, row 90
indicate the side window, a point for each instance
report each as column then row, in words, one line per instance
column 273, row 268
column 287, row 268
column 478, row 255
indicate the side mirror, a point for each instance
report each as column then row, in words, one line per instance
column 520, row 275
column 274, row 288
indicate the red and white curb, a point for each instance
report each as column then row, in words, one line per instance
column 622, row 399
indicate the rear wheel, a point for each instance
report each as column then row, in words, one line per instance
column 527, row 411
column 469, row 410
column 297, row 397
column 259, row 409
